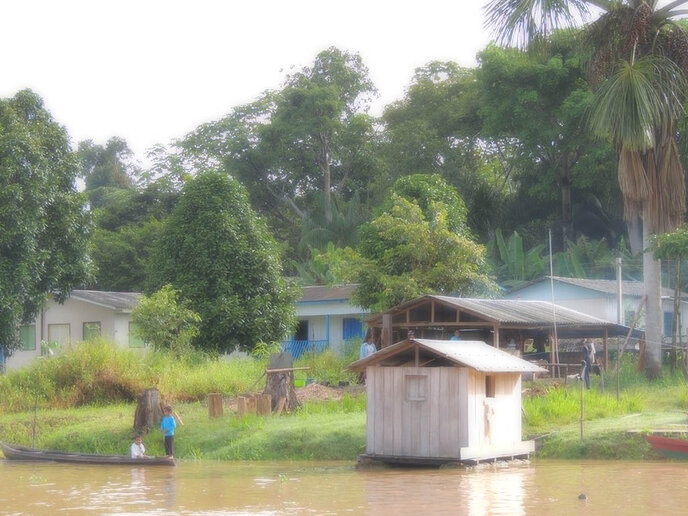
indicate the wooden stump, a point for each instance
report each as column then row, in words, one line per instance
column 264, row 404
column 215, row 404
column 148, row 410
column 281, row 385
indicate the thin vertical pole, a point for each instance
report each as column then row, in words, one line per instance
column 582, row 405
column 555, row 344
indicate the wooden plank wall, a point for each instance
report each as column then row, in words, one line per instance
column 454, row 413
column 433, row 427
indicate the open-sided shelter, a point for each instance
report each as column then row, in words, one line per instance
column 437, row 401
column 502, row 323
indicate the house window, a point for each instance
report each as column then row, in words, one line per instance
column 668, row 324
column 301, row 331
column 416, row 387
column 489, row 386
column 58, row 334
column 134, row 340
column 352, row 329
column 91, row 330
column 28, row 337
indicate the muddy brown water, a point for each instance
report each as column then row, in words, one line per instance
column 275, row 488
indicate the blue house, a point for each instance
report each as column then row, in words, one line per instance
column 327, row 319
column 600, row 298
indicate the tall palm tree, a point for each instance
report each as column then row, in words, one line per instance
column 638, row 68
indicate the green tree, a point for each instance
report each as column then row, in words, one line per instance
column 43, row 224
column 416, row 245
column 105, row 168
column 223, row 260
column 435, row 128
column 128, row 222
column 540, row 103
column 163, row 321
column 297, row 148
column 638, row 64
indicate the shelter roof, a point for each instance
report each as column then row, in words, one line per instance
column 515, row 314
column 470, row 353
column 119, row 301
column 325, row 293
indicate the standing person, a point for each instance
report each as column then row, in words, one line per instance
column 138, row 450
column 367, row 348
column 588, row 359
column 456, row 336
column 167, row 425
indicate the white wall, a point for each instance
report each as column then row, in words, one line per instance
column 74, row 313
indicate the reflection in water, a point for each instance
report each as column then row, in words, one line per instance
column 213, row 488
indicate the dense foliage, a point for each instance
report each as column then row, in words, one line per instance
column 43, row 225
column 222, row 259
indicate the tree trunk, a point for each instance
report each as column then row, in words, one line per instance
column 148, row 410
column 281, row 385
column 653, row 312
column 566, row 211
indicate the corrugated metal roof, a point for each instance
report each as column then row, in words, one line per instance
column 630, row 288
column 122, row 301
column 522, row 312
column 471, row 353
column 323, row 293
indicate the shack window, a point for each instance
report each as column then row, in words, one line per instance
column 416, row 387
column 489, row 386
column 135, row 340
column 91, row 330
column 28, row 337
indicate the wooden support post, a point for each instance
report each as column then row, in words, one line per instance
column 251, row 405
column 241, row 405
column 264, row 404
column 386, row 336
column 214, row 404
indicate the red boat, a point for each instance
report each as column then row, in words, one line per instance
column 675, row 448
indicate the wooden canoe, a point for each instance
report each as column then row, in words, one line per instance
column 14, row 452
column 675, row 448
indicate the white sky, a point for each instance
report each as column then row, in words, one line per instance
column 150, row 70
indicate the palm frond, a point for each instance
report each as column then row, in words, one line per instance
column 520, row 22
column 639, row 99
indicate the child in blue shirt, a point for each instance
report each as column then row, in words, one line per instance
column 167, row 425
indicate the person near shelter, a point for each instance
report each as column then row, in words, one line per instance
column 138, row 450
column 367, row 348
column 456, row 336
column 167, row 425
column 588, row 360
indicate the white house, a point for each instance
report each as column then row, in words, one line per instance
column 437, row 401
column 600, row 298
column 326, row 319
column 84, row 315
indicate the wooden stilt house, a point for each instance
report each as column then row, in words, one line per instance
column 438, row 401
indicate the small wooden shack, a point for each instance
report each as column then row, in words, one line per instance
column 438, row 401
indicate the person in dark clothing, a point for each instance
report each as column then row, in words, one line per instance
column 588, row 360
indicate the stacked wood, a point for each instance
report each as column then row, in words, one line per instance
column 148, row 410
column 215, row 404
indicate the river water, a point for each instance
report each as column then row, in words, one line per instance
column 272, row 488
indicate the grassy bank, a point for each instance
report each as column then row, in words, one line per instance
column 84, row 401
